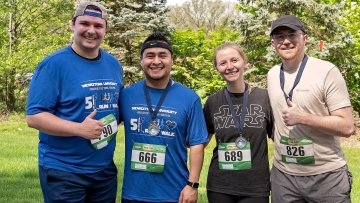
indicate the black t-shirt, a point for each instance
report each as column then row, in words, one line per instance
column 254, row 182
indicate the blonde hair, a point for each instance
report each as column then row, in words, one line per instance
column 230, row 45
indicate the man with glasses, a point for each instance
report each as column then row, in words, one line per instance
column 312, row 111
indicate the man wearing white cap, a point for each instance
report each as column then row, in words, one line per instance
column 73, row 102
column 312, row 110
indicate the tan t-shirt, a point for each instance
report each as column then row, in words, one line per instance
column 321, row 89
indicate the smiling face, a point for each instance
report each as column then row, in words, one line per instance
column 289, row 44
column 156, row 63
column 230, row 64
column 89, row 32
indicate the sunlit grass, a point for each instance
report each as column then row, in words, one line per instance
column 19, row 181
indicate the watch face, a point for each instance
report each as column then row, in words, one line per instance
column 193, row 184
column 196, row 185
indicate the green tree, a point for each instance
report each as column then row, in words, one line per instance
column 351, row 21
column 131, row 21
column 29, row 30
column 202, row 14
column 193, row 51
column 321, row 21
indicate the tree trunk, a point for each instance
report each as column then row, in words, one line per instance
column 10, row 91
column 10, row 72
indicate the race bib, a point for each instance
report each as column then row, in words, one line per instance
column 109, row 131
column 233, row 158
column 148, row 157
column 297, row 150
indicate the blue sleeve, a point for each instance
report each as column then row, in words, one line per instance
column 197, row 132
column 43, row 90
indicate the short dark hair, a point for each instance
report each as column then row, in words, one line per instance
column 156, row 39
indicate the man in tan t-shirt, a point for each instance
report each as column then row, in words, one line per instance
column 312, row 110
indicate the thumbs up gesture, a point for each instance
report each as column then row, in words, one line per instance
column 291, row 115
column 91, row 128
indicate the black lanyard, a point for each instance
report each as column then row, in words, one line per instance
column 240, row 125
column 161, row 100
column 297, row 79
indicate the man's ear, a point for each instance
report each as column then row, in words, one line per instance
column 71, row 24
column 141, row 62
column 273, row 42
column 306, row 37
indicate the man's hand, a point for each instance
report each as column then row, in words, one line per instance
column 291, row 115
column 91, row 128
column 188, row 195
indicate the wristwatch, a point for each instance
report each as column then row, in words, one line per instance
column 192, row 184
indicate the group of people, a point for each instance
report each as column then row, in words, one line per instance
column 77, row 100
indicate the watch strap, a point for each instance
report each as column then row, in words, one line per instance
column 192, row 184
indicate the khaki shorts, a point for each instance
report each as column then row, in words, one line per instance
column 330, row 187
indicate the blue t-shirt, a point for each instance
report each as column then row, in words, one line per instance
column 71, row 87
column 182, row 124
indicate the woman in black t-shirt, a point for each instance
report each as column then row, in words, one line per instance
column 240, row 116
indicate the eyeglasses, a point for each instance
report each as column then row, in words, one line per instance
column 291, row 36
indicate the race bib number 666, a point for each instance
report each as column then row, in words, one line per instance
column 148, row 157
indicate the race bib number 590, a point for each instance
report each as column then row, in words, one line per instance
column 109, row 131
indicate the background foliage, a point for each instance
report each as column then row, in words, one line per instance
column 130, row 22
column 31, row 29
column 323, row 21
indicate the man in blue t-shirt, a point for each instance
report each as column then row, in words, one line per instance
column 73, row 102
column 162, row 118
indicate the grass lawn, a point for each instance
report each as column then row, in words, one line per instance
column 19, row 173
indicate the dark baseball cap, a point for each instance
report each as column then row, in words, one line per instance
column 289, row 21
column 81, row 10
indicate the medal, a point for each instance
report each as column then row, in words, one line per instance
column 240, row 142
column 154, row 128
